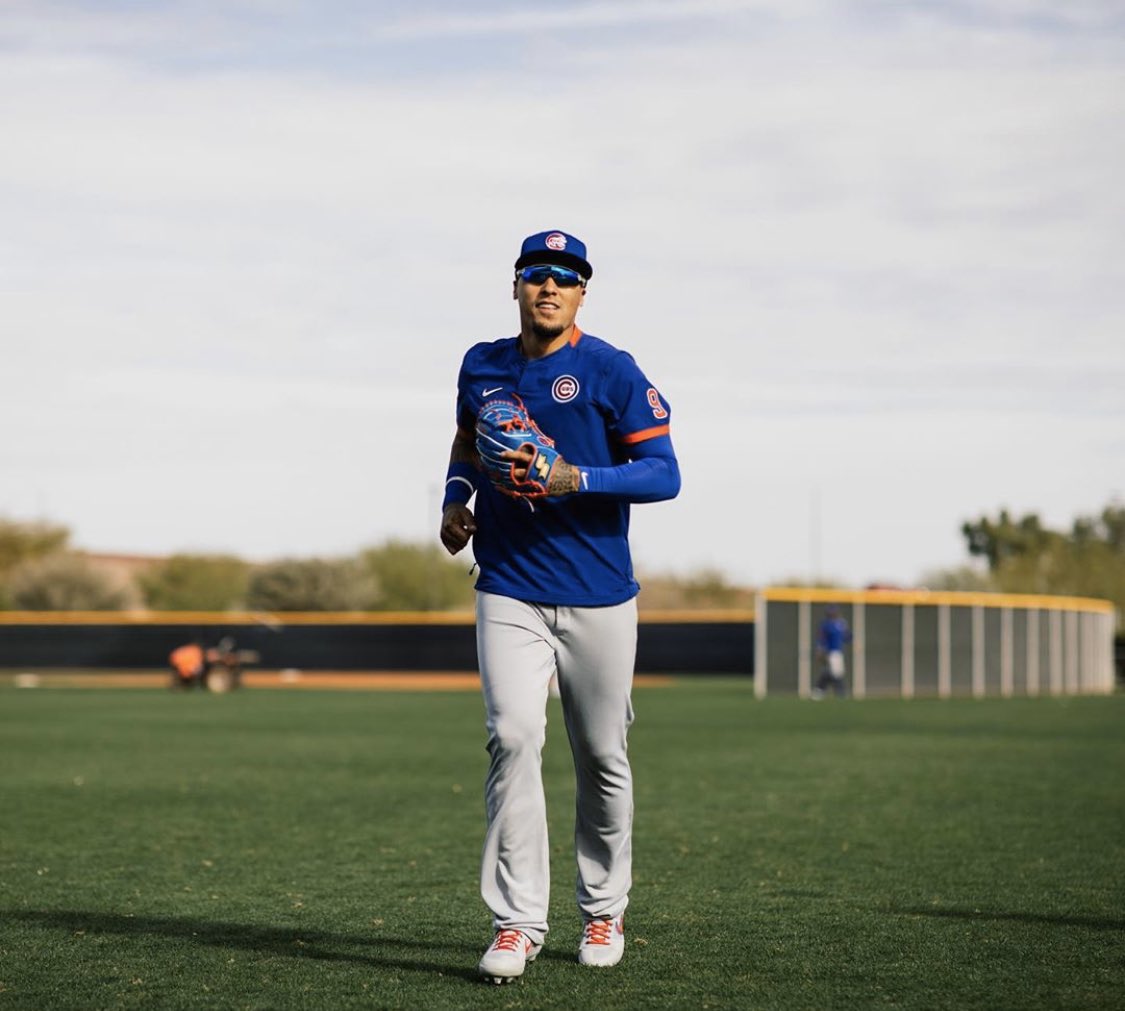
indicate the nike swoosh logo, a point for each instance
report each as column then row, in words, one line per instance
column 495, row 389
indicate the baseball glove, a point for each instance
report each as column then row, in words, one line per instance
column 505, row 426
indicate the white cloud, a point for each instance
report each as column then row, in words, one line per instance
column 581, row 17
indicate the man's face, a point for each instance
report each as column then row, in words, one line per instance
column 547, row 309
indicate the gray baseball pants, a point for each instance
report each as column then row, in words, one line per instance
column 592, row 650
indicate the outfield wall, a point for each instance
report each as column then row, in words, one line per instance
column 920, row 643
column 906, row 643
column 669, row 642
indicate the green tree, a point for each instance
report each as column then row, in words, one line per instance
column 1107, row 528
column 196, row 583
column 20, row 542
column 1004, row 538
column 63, row 582
column 312, row 584
column 1025, row 557
column 414, row 577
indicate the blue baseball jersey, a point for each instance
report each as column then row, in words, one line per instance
column 834, row 634
column 595, row 403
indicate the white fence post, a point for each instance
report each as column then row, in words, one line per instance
column 761, row 670
column 978, row 651
column 1085, row 663
column 1071, row 652
column 859, row 650
column 944, row 654
column 1006, row 651
column 1056, row 652
column 804, row 649
column 1032, row 673
column 907, row 651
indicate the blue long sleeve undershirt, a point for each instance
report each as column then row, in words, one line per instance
column 647, row 479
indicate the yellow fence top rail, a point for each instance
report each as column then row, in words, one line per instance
column 279, row 619
column 780, row 594
column 827, row 595
column 271, row 620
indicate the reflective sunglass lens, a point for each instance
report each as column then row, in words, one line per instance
column 563, row 277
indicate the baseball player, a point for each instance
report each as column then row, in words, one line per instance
column 831, row 638
column 558, row 432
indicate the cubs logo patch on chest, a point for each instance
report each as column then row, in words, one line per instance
column 564, row 389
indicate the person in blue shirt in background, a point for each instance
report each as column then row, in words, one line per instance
column 555, row 597
column 831, row 638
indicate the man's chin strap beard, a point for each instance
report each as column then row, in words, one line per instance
column 546, row 332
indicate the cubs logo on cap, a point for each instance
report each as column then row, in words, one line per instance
column 555, row 247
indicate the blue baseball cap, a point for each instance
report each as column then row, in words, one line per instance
column 555, row 247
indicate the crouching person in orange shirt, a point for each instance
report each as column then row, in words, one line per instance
column 189, row 665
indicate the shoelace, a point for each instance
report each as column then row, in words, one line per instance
column 507, row 940
column 598, row 931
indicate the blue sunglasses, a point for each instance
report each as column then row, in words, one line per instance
column 564, row 277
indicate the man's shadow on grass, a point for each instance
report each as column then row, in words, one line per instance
column 455, row 960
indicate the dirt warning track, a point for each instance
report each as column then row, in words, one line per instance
column 402, row 681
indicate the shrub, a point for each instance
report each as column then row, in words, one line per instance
column 20, row 542
column 63, row 582
column 196, row 583
column 314, row 584
column 415, row 577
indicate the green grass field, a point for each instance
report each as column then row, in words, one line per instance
column 315, row 849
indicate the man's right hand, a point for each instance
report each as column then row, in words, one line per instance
column 457, row 526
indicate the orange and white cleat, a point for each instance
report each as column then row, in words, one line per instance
column 507, row 956
column 603, row 942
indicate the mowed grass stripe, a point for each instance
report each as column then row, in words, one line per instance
column 319, row 849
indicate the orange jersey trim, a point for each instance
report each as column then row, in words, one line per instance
column 575, row 337
column 645, row 434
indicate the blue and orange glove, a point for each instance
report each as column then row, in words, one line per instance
column 505, row 437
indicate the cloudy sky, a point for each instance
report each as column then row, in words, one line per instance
column 873, row 254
